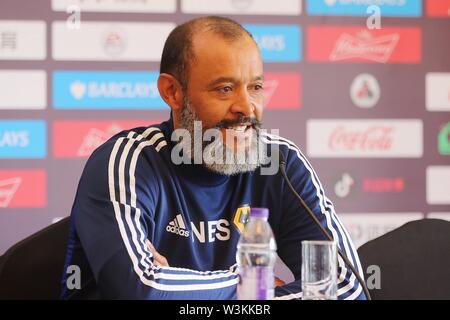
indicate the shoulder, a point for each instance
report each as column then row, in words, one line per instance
column 291, row 152
column 128, row 143
column 124, row 151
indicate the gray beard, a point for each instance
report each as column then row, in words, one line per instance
column 230, row 163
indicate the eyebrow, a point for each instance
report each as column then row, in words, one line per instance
column 232, row 80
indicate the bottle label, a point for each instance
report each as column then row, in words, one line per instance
column 256, row 283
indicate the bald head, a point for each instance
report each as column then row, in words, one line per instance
column 179, row 51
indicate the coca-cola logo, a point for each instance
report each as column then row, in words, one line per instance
column 377, row 137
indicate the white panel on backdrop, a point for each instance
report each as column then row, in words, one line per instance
column 164, row 6
column 364, row 227
column 438, row 185
column 284, row 7
column 23, row 40
column 357, row 138
column 23, row 89
column 116, row 41
column 438, row 91
column 439, row 215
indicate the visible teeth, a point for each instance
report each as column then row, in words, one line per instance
column 239, row 128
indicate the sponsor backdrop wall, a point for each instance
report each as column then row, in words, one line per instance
column 370, row 108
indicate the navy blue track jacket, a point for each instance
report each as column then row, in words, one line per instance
column 131, row 191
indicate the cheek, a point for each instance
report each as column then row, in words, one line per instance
column 212, row 114
column 208, row 111
column 258, row 102
column 259, row 111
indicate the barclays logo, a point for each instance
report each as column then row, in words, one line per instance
column 106, row 90
column 95, row 90
column 23, row 139
column 278, row 43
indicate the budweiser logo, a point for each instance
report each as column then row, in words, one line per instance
column 8, row 189
column 377, row 138
column 364, row 46
column 95, row 138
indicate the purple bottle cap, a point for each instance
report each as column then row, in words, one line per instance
column 259, row 212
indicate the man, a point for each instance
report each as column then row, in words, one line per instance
column 157, row 216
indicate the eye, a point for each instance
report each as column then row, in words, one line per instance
column 256, row 88
column 226, row 89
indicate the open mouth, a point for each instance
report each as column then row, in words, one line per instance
column 241, row 128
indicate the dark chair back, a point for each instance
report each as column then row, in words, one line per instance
column 414, row 261
column 32, row 268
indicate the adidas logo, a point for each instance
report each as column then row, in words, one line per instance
column 178, row 226
column 204, row 231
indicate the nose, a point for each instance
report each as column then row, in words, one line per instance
column 243, row 104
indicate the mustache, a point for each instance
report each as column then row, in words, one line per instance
column 241, row 120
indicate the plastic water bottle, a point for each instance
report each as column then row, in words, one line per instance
column 256, row 255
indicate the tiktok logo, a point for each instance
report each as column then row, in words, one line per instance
column 343, row 186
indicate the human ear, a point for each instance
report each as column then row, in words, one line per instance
column 171, row 91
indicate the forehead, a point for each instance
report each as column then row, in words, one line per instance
column 216, row 56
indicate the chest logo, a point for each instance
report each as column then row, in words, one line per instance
column 178, row 226
column 241, row 217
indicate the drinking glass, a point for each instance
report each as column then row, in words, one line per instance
column 319, row 270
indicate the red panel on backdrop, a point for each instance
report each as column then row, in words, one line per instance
column 282, row 90
column 23, row 188
column 438, row 8
column 358, row 44
column 78, row 139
